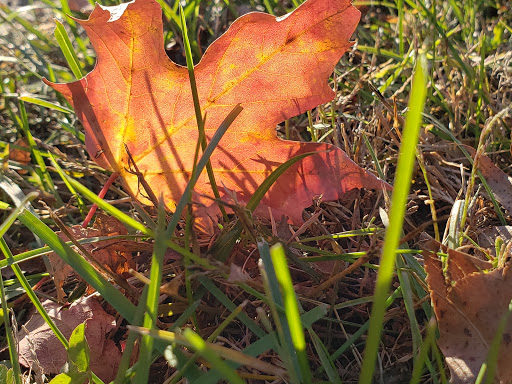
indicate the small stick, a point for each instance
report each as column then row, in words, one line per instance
column 134, row 170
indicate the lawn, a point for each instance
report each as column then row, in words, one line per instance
column 423, row 100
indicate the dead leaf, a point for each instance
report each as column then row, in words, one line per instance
column 499, row 182
column 275, row 68
column 469, row 303
column 51, row 354
column 487, row 236
column 114, row 254
column 19, row 155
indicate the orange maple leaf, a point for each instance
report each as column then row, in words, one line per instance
column 275, row 68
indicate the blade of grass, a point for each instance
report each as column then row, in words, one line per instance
column 220, row 328
column 124, row 364
column 13, row 350
column 35, row 300
column 197, row 343
column 450, row 136
column 491, row 364
column 81, row 205
column 286, row 348
column 150, row 316
column 46, row 250
column 225, row 301
column 325, row 358
column 265, row 343
column 220, row 351
column 291, row 309
column 197, row 109
column 356, row 335
column 67, row 49
column 200, row 166
column 45, row 104
column 45, row 177
column 421, row 359
column 156, row 273
column 4, row 227
column 405, row 166
column 130, row 222
column 117, row 213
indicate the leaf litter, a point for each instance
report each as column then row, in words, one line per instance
column 470, row 297
column 37, row 337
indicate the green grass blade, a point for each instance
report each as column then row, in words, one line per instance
column 494, row 350
column 4, row 227
column 197, row 343
column 220, row 328
column 356, row 335
column 291, row 309
column 45, row 177
column 271, row 179
column 38, row 252
column 117, row 213
column 286, row 350
column 405, row 166
column 200, row 166
column 67, row 49
column 146, row 350
column 225, row 301
column 130, row 222
column 31, row 294
column 45, row 104
column 13, row 351
column 197, row 109
column 428, row 342
column 81, row 205
column 225, row 243
column 265, row 343
column 124, row 364
column 325, row 358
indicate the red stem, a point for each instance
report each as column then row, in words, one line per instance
column 101, row 195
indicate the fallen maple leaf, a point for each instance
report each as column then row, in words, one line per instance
column 469, row 305
column 51, row 354
column 275, row 68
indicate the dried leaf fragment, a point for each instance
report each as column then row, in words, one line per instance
column 469, row 300
column 51, row 354
column 114, row 254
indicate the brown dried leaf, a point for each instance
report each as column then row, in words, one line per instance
column 114, row 254
column 51, row 354
column 19, row 155
column 487, row 236
column 499, row 182
column 469, row 304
